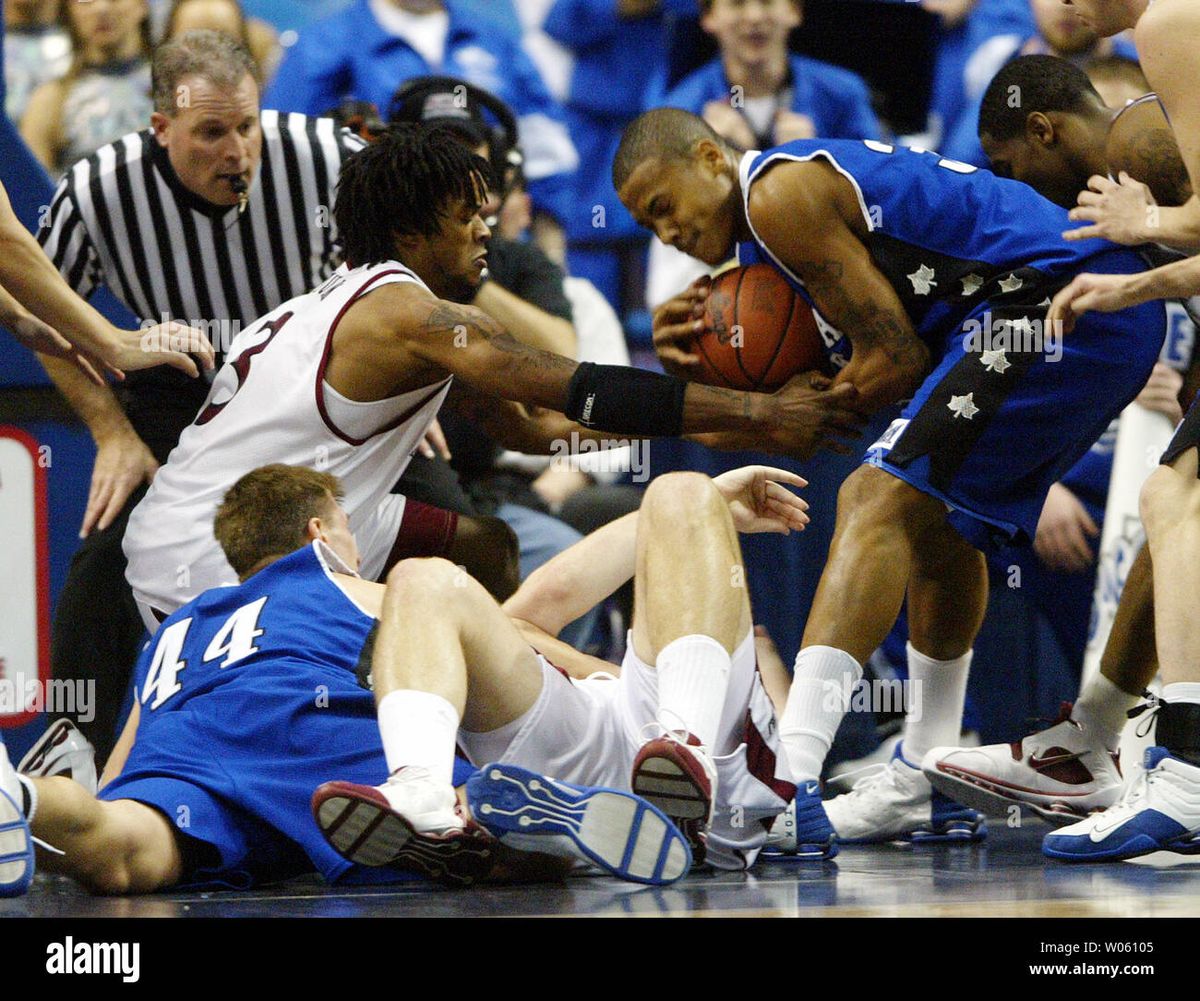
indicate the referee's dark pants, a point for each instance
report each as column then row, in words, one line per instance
column 97, row 632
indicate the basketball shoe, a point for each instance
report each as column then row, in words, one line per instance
column 1156, row 820
column 618, row 832
column 803, row 830
column 677, row 775
column 16, row 842
column 411, row 821
column 62, row 750
column 895, row 802
column 1061, row 773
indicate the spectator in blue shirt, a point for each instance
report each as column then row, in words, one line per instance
column 757, row 94
column 367, row 50
column 619, row 47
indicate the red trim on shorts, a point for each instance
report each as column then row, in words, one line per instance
column 760, row 762
column 560, row 670
column 325, row 362
column 424, row 530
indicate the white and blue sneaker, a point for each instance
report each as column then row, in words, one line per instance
column 62, row 750
column 1156, row 821
column 619, row 832
column 16, row 841
column 895, row 802
column 803, row 830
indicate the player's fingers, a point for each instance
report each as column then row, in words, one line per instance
column 776, row 475
column 1086, row 198
column 1083, row 233
column 678, row 359
column 177, row 359
column 1087, row 524
column 1098, row 182
column 97, row 501
column 87, row 368
column 683, row 332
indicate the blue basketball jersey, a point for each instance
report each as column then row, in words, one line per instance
column 288, row 625
column 946, row 235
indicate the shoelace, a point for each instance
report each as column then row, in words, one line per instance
column 872, row 776
column 647, row 730
column 1152, row 705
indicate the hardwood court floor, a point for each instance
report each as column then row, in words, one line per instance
column 1004, row 876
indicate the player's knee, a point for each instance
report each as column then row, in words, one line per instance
column 1168, row 497
column 678, row 494
column 424, row 576
column 870, row 495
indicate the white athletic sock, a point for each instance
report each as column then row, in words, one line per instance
column 822, row 684
column 1182, row 691
column 936, row 693
column 693, row 675
column 1101, row 708
column 419, row 728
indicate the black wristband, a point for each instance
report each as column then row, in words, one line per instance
column 626, row 400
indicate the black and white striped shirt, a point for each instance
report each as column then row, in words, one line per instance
column 123, row 218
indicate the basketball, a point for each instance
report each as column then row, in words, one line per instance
column 758, row 332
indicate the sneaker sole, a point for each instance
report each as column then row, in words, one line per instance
column 369, row 834
column 666, row 783
column 1140, row 849
column 993, row 798
column 624, row 835
column 16, row 849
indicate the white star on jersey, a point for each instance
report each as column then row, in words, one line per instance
column 1010, row 284
column 971, row 284
column 995, row 361
column 963, row 406
column 922, row 279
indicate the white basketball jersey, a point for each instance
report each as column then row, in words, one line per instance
column 270, row 403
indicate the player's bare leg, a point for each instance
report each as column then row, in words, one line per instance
column 118, row 846
column 1157, row 817
column 447, row 656
column 889, row 537
column 691, row 609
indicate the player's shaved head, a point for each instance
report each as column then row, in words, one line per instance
column 1034, row 84
column 1141, row 143
column 266, row 513
column 664, row 134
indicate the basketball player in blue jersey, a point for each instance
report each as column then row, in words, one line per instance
column 933, row 280
column 249, row 695
column 1059, row 140
column 245, row 697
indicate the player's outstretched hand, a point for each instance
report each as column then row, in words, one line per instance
column 1103, row 293
column 676, row 324
column 815, row 414
column 1063, row 532
column 759, row 501
column 170, row 343
column 123, row 463
column 1123, row 211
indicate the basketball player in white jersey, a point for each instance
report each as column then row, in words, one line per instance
column 347, row 378
column 687, row 725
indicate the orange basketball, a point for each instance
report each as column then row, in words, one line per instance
column 758, row 332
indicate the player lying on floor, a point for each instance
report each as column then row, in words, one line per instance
column 245, row 698
column 687, row 724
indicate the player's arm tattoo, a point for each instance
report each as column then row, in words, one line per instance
column 869, row 325
column 460, row 321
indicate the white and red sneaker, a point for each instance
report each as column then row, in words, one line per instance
column 1062, row 774
column 679, row 777
column 410, row 822
column 62, row 750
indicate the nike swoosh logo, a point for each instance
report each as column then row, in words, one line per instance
column 1103, row 825
column 1038, row 764
column 812, row 788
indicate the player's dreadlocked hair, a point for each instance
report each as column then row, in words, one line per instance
column 665, row 133
column 1029, row 84
column 402, row 185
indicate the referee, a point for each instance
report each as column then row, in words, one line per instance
column 216, row 214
